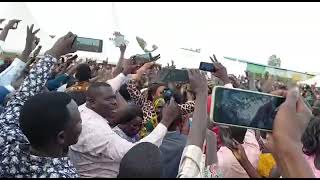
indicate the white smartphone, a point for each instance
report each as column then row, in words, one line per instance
column 243, row 108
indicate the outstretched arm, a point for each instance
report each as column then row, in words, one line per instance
column 32, row 85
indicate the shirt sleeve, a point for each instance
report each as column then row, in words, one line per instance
column 190, row 164
column 187, row 108
column 57, row 82
column 33, row 84
column 117, row 82
column 135, row 94
column 12, row 73
column 118, row 146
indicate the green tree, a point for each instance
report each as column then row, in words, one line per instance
column 274, row 61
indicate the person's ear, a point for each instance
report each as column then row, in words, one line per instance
column 61, row 138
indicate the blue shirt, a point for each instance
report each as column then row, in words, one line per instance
column 171, row 151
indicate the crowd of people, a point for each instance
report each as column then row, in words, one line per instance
column 62, row 116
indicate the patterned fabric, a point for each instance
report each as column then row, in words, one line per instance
column 79, row 87
column 16, row 160
column 11, row 73
column 212, row 171
column 149, row 113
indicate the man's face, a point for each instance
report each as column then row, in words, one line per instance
column 106, row 103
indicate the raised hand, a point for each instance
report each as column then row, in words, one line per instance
column 238, row 151
column 11, row 24
column 122, row 48
column 198, row 81
column 220, row 70
column 63, row 46
column 128, row 67
column 1, row 20
column 31, row 43
column 37, row 51
column 291, row 119
column 170, row 113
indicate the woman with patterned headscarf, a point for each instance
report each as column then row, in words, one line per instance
column 152, row 103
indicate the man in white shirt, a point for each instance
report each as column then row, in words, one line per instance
column 99, row 150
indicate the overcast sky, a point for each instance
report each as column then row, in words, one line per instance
column 250, row 31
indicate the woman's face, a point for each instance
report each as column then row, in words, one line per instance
column 159, row 91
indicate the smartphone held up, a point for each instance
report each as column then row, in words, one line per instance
column 174, row 75
column 243, row 108
column 209, row 67
column 88, row 44
column 141, row 59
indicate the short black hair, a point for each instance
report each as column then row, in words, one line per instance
column 83, row 72
column 124, row 92
column 141, row 161
column 129, row 113
column 311, row 137
column 78, row 96
column 43, row 116
column 95, row 85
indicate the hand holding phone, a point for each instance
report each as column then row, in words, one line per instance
column 209, row 67
column 2, row 20
column 87, row 44
column 219, row 70
column 242, row 108
column 13, row 24
column 174, row 75
column 141, row 59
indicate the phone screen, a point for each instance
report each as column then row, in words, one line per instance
column 142, row 58
column 174, row 75
column 206, row 67
column 88, row 44
column 247, row 109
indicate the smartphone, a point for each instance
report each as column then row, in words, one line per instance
column 204, row 66
column 88, row 44
column 174, row 75
column 141, row 59
column 243, row 108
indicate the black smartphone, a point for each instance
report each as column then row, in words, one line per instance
column 174, row 75
column 141, row 59
column 88, row 44
column 243, row 108
column 204, row 66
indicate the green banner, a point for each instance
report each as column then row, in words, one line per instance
column 256, row 68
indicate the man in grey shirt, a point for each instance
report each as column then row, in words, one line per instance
column 171, row 150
